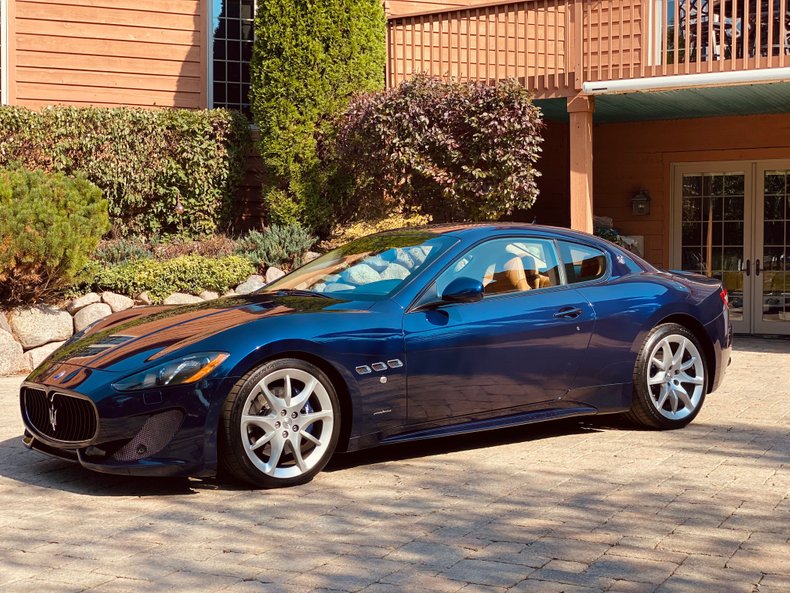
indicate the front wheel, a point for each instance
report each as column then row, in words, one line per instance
column 669, row 379
column 280, row 424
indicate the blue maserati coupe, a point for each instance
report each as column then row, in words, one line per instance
column 398, row 336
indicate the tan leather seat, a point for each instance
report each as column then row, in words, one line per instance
column 533, row 277
column 591, row 268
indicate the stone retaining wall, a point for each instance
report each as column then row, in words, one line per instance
column 28, row 335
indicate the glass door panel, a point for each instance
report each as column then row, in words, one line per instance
column 773, row 241
column 713, row 227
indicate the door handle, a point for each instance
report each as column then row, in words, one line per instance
column 748, row 268
column 757, row 267
column 568, row 313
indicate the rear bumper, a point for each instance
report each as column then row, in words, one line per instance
column 720, row 331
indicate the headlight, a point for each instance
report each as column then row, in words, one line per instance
column 187, row 369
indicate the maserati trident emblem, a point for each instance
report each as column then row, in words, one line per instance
column 53, row 413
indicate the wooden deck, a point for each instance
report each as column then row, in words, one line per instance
column 554, row 46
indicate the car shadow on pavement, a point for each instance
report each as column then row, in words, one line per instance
column 36, row 469
column 451, row 444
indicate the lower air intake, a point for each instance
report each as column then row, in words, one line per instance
column 152, row 438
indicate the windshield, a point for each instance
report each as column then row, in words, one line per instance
column 371, row 267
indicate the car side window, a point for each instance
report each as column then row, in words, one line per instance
column 506, row 266
column 582, row 262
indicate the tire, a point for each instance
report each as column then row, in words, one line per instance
column 670, row 379
column 280, row 424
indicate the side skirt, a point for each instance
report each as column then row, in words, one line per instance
column 492, row 423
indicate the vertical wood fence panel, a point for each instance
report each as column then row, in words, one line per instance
column 553, row 46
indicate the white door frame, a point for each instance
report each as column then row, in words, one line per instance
column 753, row 171
column 722, row 167
column 760, row 325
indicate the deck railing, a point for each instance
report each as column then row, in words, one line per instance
column 554, row 46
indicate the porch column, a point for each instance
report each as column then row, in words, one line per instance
column 580, row 109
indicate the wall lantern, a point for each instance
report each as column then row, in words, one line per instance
column 640, row 203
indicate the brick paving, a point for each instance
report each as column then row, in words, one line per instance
column 573, row 507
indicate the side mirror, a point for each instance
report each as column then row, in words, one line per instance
column 463, row 290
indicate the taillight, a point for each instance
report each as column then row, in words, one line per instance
column 724, row 297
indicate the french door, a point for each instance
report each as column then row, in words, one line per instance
column 732, row 221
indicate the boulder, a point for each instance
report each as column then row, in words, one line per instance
column 39, row 325
column 273, row 274
column 181, row 298
column 209, row 295
column 395, row 271
column 252, row 284
column 89, row 314
column 310, row 256
column 404, row 259
column 229, row 293
column 12, row 357
column 336, row 287
column 4, row 323
column 377, row 262
column 82, row 302
column 144, row 298
column 38, row 355
column 360, row 275
column 117, row 302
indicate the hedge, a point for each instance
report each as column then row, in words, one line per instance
column 144, row 161
column 310, row 57
column 49, row 226
column 189, row 273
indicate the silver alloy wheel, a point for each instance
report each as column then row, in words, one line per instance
column 675, row 377
column 286, row 423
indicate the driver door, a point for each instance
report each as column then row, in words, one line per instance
column 520, row 345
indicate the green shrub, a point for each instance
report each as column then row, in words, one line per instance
column 454, row 151
column 120, row 251
column 189, row 273
column 49, row 225
column 279, row 245
column 309, row 59
column 214, row 246
column 351, row 232
column 143, row 160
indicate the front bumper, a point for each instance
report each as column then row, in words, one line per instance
column 166, row 432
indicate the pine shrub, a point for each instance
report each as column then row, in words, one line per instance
column 49, row 226
column 279, row 245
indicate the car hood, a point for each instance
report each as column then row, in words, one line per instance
column 128, row 339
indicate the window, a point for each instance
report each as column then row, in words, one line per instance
column 582, row 263
column 506, row 266
column 368, row 268
column 233, row 26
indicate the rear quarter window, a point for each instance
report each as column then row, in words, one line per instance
column 582, row 262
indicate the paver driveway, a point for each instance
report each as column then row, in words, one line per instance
column 574, row 507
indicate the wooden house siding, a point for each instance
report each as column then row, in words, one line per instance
column 144, row 53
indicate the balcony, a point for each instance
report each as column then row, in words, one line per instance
column 559, row 48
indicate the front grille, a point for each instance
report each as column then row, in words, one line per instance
column 59, row 416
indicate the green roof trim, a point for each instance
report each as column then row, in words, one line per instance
column 753, row 99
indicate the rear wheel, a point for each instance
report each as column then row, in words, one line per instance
column 280, row 424
column 669, row 379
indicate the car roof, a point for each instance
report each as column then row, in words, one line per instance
column 481, row 229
